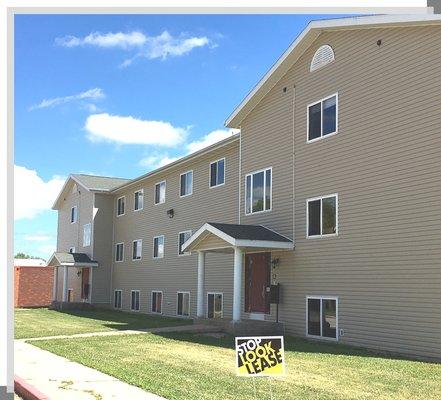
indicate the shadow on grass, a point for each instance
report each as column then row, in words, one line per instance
column 122, row 320
column 292, row 345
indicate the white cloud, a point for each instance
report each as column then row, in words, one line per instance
column 151, row 47
column 32, row 195
column 46, row 250
column 91, row 94
column 130, row 130
column 210, row 138
column 159, row 160
column 156, row 161
column 106, row 40
column 37, row 237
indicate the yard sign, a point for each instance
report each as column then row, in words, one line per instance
column 260, row 356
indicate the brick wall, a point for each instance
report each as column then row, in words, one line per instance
column 33, row 286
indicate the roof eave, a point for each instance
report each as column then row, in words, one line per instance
column 304, row 40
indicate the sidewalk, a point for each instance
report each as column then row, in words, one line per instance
column 61, row 379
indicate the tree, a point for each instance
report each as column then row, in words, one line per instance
column 23, row 255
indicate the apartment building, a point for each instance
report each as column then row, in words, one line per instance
column 331, row 191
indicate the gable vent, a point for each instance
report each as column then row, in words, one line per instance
column 324, row 55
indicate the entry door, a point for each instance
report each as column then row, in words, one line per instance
column 85, row 284
column 257, row 282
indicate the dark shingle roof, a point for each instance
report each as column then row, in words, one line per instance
column 94, row 182
column 71, row 258
column 249, row 232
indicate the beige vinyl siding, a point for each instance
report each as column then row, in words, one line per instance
column 102, row 248
column 71, row 235
column 175, row 273
column 384, row 163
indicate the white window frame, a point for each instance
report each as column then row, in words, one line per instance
column 321, row 216
column 139, row 301
column 71, row 250
column 75, row 214
column 165, row 192
column 264, row 194
column 117, row 201
column 90, row 235
column 189, row 303
column 185, row 253
column 137, row 259
column 321, row 118
column 192, row 183
column 134, row 200
column 321, row 298
column 151, row 302
column 209, row 173
column 163, row 241
column 221, row 293
column 116, row 252
column 120, row 297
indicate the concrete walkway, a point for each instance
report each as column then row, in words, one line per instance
column 61, row 379
column 179, row 328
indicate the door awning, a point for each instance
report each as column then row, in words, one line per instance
column 78, row 260
column 217, row 236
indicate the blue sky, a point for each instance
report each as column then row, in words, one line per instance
column 119, row 95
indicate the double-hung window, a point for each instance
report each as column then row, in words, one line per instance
column 137, row 249
column 186, row 184
column 258, row 191
column 139, row 200
column 160, row 192
column 120, row 206
column 183, row 237
column 134, row 304
column 215, row 305
column 322, row 316
column 119, row 252
column 183, row 304
column 158, row 246
column 73, row 214
column 323, row 118
column 322, row 216
column 117, row 301
column 87, row 231
column 157, row 302
column 217, row 173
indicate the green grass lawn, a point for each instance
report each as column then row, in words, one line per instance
column 188, row 366
column 38, row 322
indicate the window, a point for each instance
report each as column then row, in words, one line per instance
column 183, row 237
column 215, row 305
column 121, row 206
column 157, row 302
column 183, row 306
column 217, row 173
column 139, row 199
column 87, row 230
column 186, row 184
column 73, row 215
column 322, row 317
column 158, row 246
column 70, row 295
column 160, row 193
column 322, row 118
column 258, row 191
column 322, row 216
column 137, row 249
column 72, row 250
column 119, row 252
column 117, row 302
column 134, row 304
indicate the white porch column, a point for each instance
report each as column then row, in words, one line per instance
column 237, row 283
column 55, row 286
column 201, row 284
column 65, row 283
